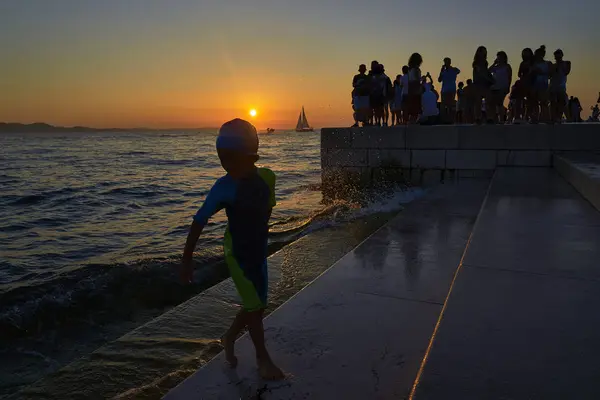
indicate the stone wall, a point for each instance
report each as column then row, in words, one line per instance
column 359, row 157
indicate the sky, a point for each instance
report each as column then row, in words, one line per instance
column 199, row 63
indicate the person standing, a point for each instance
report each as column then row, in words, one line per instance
column 378, row 98
column 397, row 103
column 502, row 73
column 576, row 110
column 388, row 95
column 558, row 86
column 482, row 81
column 523, row 87
column 460, row 103
column 415, row 90
column 405, row 97
column 540, row 94
column 448, row 76
column 360, row 96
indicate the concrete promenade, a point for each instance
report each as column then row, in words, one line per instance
column 486, row 288
column 521, row 321
column 361, row 329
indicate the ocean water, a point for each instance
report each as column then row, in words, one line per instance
column 92, row 226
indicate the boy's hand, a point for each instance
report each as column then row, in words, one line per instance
column 186, row 271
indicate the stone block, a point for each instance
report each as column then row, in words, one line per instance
column 428, row 159
column 431, row 137
column 582, row 136
column 481, row 136
column 389, row 158
column 387, row 175
column 475, row 173
column 345, row 158
column 336, row 138
column 524, row 158
column 471, row 159
column 529, row 137
column 379, row 138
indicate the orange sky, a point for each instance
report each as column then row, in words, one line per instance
column 197, row 65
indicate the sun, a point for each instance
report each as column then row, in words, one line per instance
column 253, row 113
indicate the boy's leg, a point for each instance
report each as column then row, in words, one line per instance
column 228, row 340
column 266, row 367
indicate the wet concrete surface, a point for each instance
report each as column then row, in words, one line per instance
column 361, row 329
column 521, row 321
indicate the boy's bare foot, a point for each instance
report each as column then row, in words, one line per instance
column 229, row 348
column 269, row 371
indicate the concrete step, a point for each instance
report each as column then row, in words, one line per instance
column 521, row 320
column 360, row 330
column 583, row 172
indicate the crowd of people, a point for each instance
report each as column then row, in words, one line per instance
column 539, row 95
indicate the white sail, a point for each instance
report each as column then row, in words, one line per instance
column 304, row 120
column 302, row 125
column 299, row 124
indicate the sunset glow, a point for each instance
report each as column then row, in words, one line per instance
column 180, row 67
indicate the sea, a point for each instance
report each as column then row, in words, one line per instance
column 92, row 227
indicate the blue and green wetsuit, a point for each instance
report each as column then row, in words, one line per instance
column 248, row 203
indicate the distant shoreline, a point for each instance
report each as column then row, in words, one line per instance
column 41, row 127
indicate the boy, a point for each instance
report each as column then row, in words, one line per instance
column 247, row 194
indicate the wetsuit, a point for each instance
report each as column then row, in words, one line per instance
column 248, row 203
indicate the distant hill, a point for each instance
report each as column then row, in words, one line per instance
column 41, row 127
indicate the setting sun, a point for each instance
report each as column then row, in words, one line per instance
column 253, row 113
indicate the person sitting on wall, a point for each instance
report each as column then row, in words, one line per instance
column 430, row 111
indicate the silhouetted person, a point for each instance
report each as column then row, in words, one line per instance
column 397, row 103
column 541, row 74
column 558, row 86
column 502, row 73
column 360, row 95
column 482, row 79
column 430, row 111
column 372, row 72
column 460, row 103
column 415, row 90
column 576, row 110
column 569, row 111
column 524, row 98
column 404, row 84
column 380, row 83
column 448, row 75
column 596, row 113
column 469, row 100
column 388, row 94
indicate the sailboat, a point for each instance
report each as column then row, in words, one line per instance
column 302, row 125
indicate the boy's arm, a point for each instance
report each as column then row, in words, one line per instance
column 192, row 238
column 187, row 263
column 219, row 194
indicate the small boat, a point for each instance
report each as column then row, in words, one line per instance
column 302, row 125
column 270, row 130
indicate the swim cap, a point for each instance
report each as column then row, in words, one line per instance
column 238, row 135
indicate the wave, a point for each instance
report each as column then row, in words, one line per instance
column 102, row 290
column 117, row 290
column 31, row 199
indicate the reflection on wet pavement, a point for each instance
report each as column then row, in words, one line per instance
column 521, row 321
column 361, row 329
